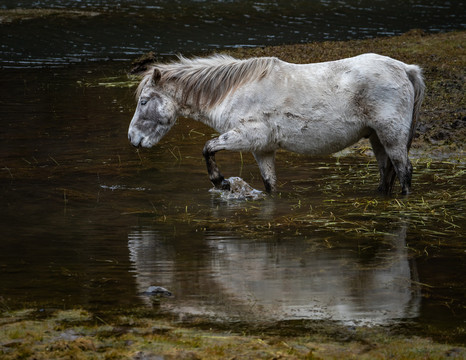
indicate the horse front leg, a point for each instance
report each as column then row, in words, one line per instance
column 266, row 162
column 215, row 176
column 241, row 139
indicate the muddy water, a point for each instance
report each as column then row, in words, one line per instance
column 88, row 220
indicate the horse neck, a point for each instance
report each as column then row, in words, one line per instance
column 188, row 110
column 195, row 114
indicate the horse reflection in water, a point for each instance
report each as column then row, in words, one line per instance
column 273, row 281
column 154, row 261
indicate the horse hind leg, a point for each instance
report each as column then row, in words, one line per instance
column 393, row 162
column 386, row 169
column 404, row 170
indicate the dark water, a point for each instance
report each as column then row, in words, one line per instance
column 87, row 220
column 77, row 31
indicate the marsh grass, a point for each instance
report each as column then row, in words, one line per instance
column 334, row 203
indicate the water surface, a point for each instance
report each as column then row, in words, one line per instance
column 56, row 33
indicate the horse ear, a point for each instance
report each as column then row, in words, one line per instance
column 156, row 75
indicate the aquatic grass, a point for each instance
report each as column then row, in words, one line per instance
column 120, row 81
column 72, row 316
column 433, row 215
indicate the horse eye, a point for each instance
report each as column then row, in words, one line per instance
column 143, row 102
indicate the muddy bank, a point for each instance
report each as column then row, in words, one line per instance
column 442, row 127
column 17, row 15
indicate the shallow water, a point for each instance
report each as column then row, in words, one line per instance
column 56, row 33
column 89, row 221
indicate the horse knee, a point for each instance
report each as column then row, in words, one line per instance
column 209, row 148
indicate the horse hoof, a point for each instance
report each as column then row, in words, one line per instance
column 225, row 185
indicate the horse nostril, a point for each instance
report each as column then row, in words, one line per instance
column 136, row 142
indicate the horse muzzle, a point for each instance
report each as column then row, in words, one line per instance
column 138, row 140
column 134, row 139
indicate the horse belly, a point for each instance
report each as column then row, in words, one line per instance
column 317, row 138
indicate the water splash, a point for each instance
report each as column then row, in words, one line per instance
column 239, row 190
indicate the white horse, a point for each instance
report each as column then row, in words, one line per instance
column 265, row 104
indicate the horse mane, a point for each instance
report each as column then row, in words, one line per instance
column 207, row 81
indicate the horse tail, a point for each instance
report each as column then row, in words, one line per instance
column 414, row 73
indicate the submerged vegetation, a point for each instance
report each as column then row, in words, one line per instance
column 432, row 222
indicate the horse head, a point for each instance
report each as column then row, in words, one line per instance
column 155, row 113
